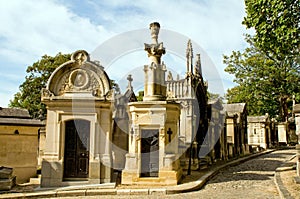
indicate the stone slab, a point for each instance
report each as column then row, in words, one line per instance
column 5, row 172
column 139, row 191
column 123, row 192
column 7, row 184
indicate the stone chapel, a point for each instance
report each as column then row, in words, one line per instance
column 160, row 136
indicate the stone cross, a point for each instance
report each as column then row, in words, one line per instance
column 169, row 132
column 129, row 78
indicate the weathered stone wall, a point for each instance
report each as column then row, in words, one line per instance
column 19, row 151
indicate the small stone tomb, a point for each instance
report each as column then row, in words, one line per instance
column 7, row 180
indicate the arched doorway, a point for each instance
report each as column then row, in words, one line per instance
column 76, row 155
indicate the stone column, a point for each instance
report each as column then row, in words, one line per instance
column 155, row 89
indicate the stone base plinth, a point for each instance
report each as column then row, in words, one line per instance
column 51, row 173
column 165, row 178
column 94, row 172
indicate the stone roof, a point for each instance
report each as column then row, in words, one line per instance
column 262, row 118
column 234, row 108
column 14, row 113
column 16, row 116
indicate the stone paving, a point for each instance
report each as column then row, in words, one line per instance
column 251, row 179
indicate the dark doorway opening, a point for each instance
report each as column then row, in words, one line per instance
column 150, row 153
column 76, row 157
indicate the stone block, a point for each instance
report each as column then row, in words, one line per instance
column 94, row 170
column 129, row 177
column 51, row 174
column 5, row 172
column 7, row 184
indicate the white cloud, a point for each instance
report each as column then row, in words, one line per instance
column 32, row 28
column 214, row 25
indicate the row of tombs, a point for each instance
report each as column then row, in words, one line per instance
column 92, row 131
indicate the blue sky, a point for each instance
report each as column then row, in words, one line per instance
column 32, row 28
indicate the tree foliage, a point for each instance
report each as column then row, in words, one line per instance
column 29, row 96
column 267, row 73
column 259, row 82
column 276, row 24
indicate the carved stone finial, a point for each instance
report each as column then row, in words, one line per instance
column 155, row 50
column 154, row 27
column 80, row 57
column 170, row 76
column 189, row 58
column 189, row 50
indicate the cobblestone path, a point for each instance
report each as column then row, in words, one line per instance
column 251, row 179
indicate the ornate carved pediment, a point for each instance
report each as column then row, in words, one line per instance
column 79, row 76
column 80, row 80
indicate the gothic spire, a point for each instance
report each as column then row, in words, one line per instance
column 189, row 57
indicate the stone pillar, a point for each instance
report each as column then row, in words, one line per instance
column 155, row 88
column 298, row 159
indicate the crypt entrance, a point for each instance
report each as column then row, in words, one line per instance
column 76, row 154
column 79, row 100
column 149, row 153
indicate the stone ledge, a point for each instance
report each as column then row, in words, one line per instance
column 70, row 193
column 139, row 192
column 101, row 192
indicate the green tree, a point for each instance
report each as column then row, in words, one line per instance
column 276, row 25
column 29, row 96
column 259, row 82
column 267, row 73
column 140, row 96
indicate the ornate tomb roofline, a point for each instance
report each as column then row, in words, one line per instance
column 78, row 78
